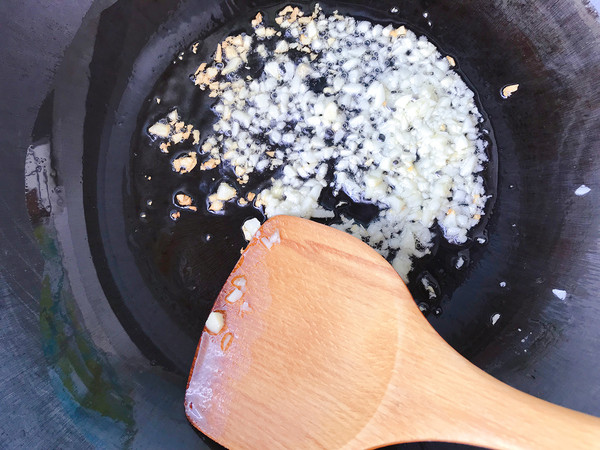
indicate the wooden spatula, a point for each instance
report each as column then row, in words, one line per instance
column 322, row 346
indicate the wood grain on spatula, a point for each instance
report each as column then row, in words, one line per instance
column 326, row 348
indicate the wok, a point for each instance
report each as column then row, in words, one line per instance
column 97, row 338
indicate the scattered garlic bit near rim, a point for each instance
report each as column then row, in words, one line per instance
column 495, row 317
column 173, row 129
column 582, row 190
column 560, row 293
column 160, row 129
column 507, row 91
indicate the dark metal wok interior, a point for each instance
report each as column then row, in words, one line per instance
column 97, row 336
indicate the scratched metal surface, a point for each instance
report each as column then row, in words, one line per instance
column 70, row 376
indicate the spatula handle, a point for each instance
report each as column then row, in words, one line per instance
column 454, row 401
column 492, row 414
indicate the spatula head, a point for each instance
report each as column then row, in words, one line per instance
column 308, row 343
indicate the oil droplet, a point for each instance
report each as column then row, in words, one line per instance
column 226, row 341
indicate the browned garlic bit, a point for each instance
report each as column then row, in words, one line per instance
column 185, row 201
column 160, row 129
column 400, row 31
column 177, row 138
column 210, row 164
column 185, row 163
column 507, row 91
column 174, row 129
column 223, row 194
column 173, row 116
column 257, row 20
column 196, row 135
column 175, row 215
column 451, row 61
column 214, row 204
